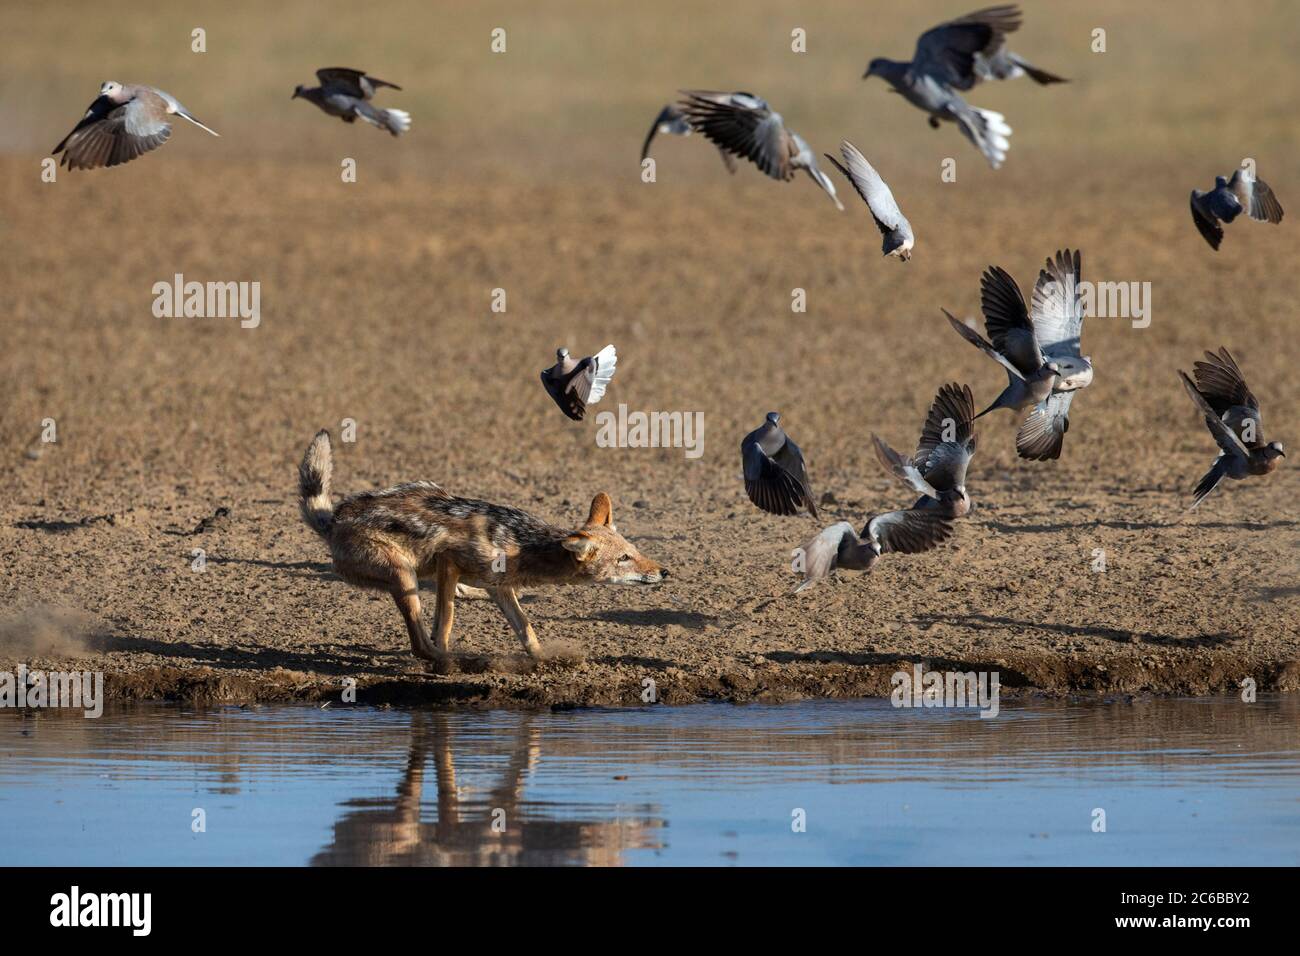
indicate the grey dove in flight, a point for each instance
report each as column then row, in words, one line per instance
column 347, row 94
column 893, row 225
column 124, row 121
column 1233, row 418
column 938, row 469
column 745, row 126
column 1228, row 199
column 953, row 57
column 776, row 478
column 576, row 383
column 1039, row 348
column 840, row 547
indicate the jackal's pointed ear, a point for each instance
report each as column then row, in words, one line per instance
column 581, row 544
column 602, row 511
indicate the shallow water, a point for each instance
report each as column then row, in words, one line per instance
column 1197, row 782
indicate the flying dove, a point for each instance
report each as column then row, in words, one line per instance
column 1232, row 416
column 124, row 122
column 1227, row 199
column 891, row 222
column 575, row 384
column 938, row 469
column 744, row 125
column 1042, row 357
column 775, row 477
column 347, row 94
column 672, row 121
column 839, row 546
column 955, row 56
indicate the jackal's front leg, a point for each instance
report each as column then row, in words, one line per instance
column 448, row 574
column 508, row 601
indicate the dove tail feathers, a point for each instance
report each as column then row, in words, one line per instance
column 1207, row 484
column 988, row 131
column 397, row 121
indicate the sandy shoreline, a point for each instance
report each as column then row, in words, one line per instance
column 515, row 682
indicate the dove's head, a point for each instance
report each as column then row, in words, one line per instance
column 1073, row 372
column 297, row 91
column 112, row 89
column 1273, row 450
column 774, row 418
column 964, row 505
column 956, row 501
column 890, row 71
column 899, row 246
column 561, row 354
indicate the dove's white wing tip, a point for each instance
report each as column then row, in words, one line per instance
column 606, row 360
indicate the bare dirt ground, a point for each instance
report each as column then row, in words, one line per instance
column 520, row 173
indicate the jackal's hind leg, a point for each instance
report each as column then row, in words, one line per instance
column 473, row 593
column 407, row 595
column 506, row 599
column 447, row 576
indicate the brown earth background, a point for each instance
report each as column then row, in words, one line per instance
column 521, row 173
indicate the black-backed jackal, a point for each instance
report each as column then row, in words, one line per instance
column 390, row 539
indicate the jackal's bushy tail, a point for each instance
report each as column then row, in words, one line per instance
column 314, row 485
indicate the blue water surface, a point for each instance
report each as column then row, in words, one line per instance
column 1180, row 782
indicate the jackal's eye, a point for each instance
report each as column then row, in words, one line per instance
column 626, row 557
